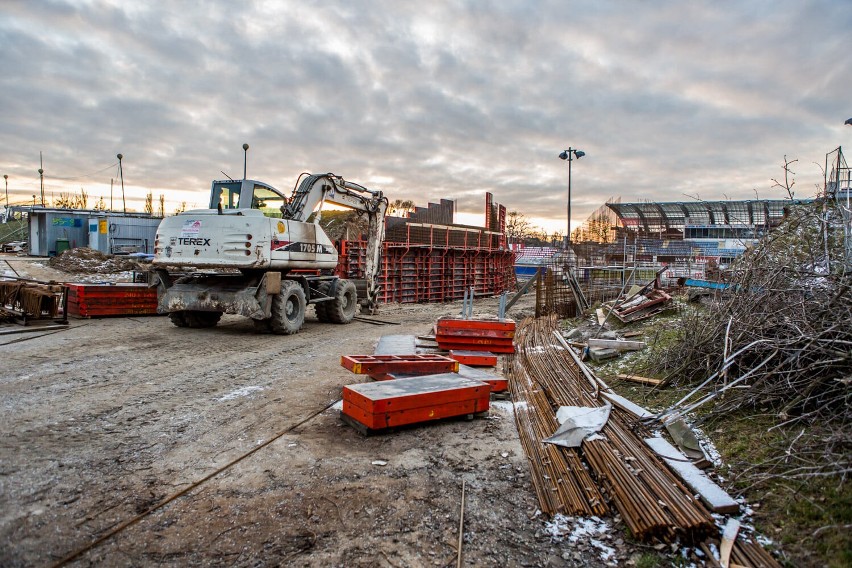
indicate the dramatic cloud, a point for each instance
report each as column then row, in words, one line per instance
column 426, row 101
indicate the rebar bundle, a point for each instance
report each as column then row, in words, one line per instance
column 652, row 502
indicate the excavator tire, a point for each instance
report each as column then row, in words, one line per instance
column 342, row 309
column 178, row 319
column 288, row 309
column 322, row 307
column 202, row 319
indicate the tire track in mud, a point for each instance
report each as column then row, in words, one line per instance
column 143, row 425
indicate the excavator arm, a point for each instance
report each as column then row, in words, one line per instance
column 314, row 189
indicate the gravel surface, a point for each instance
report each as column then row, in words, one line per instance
column 107, row 419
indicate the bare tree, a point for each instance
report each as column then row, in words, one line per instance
column 788, row 181
column 518, row 227
column 400, row 207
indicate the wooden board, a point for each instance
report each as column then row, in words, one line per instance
column 716, row 498
column 638, row 379
column 618, row 344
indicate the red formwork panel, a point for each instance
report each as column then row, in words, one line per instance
column 414, row 400
column 506, row 325
column 497, row 383
column 424, row 272
column 485, row 347
column 92, row 300
column 483, row 333
column 474, row 358
column 407, row 364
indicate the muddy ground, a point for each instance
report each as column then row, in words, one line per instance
column 110, row 417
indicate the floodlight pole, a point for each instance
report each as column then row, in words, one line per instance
column 245, row 159
column 569, row 155
column 6, row 179
column 121, row 175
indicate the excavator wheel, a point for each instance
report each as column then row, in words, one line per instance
column 288, row 309
column 342, row 309
column 322, row 307
column 178, row 318
column 202, row 319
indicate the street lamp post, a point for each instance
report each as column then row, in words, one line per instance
column 569, row 155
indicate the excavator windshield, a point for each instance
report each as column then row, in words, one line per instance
column 247, row 194
column 226, row 194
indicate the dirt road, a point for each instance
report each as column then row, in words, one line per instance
column 107, row 419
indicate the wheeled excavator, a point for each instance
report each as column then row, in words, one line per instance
column 254, row 253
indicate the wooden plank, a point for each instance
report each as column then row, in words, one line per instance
column 619, row 344
column 729, row 537
column 638, row 379
column 716, row 498
column 600, row 315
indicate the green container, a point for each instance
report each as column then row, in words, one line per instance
column 61, row 246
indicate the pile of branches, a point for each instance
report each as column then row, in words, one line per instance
column 779, row 340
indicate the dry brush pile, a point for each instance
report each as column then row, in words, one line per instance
column 781, row 339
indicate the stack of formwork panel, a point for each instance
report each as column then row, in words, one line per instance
column 94, row 300
column 413, row 274
column 492, row 335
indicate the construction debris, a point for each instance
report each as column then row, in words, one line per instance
column 651, row 500
column 33, row 300
column 90, row 261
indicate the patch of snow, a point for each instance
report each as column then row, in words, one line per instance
column 574, row 529
column 503, row 405
column 707, row 445
column 240, row 392
column 337, row 405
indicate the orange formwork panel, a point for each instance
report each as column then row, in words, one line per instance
column 400, row 402
column 407, row 364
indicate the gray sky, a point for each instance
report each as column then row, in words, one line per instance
column 427, row 100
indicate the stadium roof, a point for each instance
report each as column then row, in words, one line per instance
column 681, row 214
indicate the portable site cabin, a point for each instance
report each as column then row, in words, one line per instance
column 52, row 231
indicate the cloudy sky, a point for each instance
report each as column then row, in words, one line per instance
column 670, row 100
